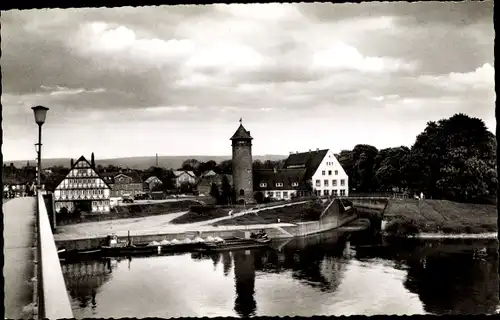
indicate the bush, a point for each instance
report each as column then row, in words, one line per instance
column 201, row 209
column 402, row 228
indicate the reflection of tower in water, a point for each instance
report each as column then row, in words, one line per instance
column 84, row 278
column 227, row 262
column 244, row 275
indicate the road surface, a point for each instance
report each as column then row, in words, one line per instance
column 19, row 220
column 147, row 225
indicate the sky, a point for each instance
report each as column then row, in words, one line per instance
column 175, row 80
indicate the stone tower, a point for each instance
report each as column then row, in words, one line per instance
column 242, row 165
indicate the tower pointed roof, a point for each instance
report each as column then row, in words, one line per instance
column 241, row 133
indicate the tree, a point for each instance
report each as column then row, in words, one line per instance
column 257, row 165
column 227, row 192
column 364, row 157
column 259, row 197
column 448, row 156
column 226, row 167
column 214, row 192
column 389, row 168
column 190, row 165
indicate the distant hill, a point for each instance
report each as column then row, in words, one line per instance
column 140, row 163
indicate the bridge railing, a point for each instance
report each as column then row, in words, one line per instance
column 53, row 300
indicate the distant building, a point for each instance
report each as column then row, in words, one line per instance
column 151, row 183
column 82, row 188
column 205, row 183
column 181, row 177
column 301, row 174
column 322, row 171
column 281, row 184
column 124, row 183
column 208, row 173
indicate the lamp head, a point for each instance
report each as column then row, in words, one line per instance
column 40, row 114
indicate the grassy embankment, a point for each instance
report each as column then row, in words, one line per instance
column 209, row 212
column 309, row 211
column 410, row 217
column 131, row 211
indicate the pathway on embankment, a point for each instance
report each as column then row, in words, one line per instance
column 19, row 220
column 155, row 225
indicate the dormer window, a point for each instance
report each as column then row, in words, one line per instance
column 263, row 184
column 295, row 184
column 279, row 184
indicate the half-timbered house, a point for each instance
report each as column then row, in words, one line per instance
column 82, row 189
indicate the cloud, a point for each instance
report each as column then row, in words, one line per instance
column 483, row 78
column 224, row 55
column 279, row 64
column 341, row 55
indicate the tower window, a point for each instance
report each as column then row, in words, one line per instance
column 242, row 192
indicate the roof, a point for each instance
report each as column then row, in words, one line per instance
column 208, row 173
column 307, row 160
column 109, row 176
column 151, row 178
column 241, row 133
column 82, row 158
column 285, row 176
column 133, row 175
column 178, row 173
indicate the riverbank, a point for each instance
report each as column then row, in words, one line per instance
column 438, row 218
column 489, row 235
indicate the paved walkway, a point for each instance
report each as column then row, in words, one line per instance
column 152, row 225
column 19, row 220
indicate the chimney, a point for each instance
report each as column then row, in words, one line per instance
column 296, row 152
column 92, row 162
column 317, row 149
column 291, row 152
column 71, row 163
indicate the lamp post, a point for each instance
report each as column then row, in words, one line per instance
column 40, row 113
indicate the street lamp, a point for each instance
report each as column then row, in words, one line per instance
column 40, row 114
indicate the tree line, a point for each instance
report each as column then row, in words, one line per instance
column 452, row 159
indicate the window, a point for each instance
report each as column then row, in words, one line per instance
column 279, row 184
column 329, row 172
column 323, row 172
column 335, row 192
column 285, row 194
column 270, row 194
column 318, row 183
column 263, row 184
column 334, row 183
column 326, row 192
column 242, row 192
column 295, row 184
column 278, row 194
column 342, row 182
column 342, row 192
column 336, row 172
column 325, row 183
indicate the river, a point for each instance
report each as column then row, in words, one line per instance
column 328, row 274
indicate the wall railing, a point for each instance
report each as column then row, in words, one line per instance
column 53, row 300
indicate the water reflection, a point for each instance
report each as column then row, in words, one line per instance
column 448, row 275
column 244, row 277
column 329, row 274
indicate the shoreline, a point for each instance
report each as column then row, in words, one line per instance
column 428, row 235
